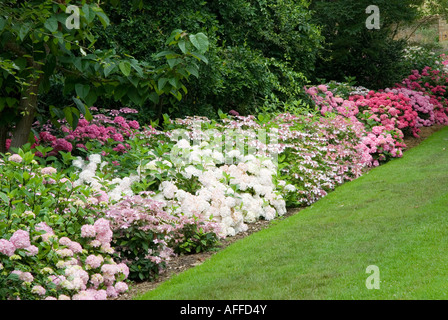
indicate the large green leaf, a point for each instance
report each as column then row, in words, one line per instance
column 125, row 68
column 24, row 31
column 91, row 98
column 82, row 90
column 104, row 19
column 4, row 197
column 2, row 23
column 88, row 13
column 51, row 24
column 80, row 105
column 161, row 83
column 200, row 41
column 193, row 70
column 108, row 69
column 200, row 57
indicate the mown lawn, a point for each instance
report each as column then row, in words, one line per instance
column 394, row 217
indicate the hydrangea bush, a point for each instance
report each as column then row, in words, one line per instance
column 85, row 210
column 45, row 252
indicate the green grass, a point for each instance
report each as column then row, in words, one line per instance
column 394, row 217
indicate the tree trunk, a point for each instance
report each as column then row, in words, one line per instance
column 23, row 129
column 3, row 136
column 28, row 104
column 29, row 98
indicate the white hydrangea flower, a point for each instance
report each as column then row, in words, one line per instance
column 183, row 144
column 169, row 189
column 95, row 158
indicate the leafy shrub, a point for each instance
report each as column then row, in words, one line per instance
column 433, row 83
column 146, row 237
column 45, row 252
column 141, row 232
column 419, row 57
column 270, row 51
column 194, row 235
column 351, row 49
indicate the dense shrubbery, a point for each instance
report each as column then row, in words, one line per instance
column 389, row 114
column 351, row 49
column 125, row 198
column 269, row 53
column 104, row 199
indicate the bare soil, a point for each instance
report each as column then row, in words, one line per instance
column 424, row 133
column 183, row 262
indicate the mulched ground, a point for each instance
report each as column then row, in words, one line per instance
column 184, row 262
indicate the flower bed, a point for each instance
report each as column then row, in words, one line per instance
column 85, row 211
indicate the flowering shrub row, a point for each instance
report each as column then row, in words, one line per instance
column 390, row 114
column 84, row 211
column 45, row 249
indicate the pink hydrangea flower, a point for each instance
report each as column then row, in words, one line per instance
column 103, row 230
column 134, row 124
column 48, row 170
column 118, row 137
column 24, row 276
column 42, row 226
column 7, row 247
column 39, row 290
column 65, row 241
column 94, row 261
column 121, row 287
column 75, row 247
column 88, row 231
column 111, row 292
column 31, row 251
column 15, row 158
column 20, row 239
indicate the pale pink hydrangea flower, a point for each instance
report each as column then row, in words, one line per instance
column 100, row 295
column 121, row 287
column 83, row 295
column 31, row 251
column 95, row 243
column 123, row 268
column 15, row 158
column 107, row 248
column 42, row 226
column 39, row 290
column 75, row 247
column 65, row 241
column 111, row 292
column 48, row 170
column 96, row 279
column 64, row 253
column 7, row 247
column 88, row 231
column 24, row 276
column 102, row 196
column 103, row 232
column 94, row 261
